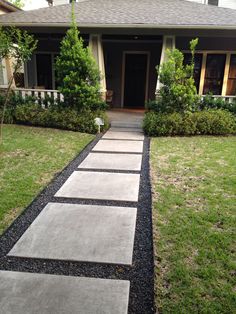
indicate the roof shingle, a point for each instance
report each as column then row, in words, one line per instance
column 155, row 13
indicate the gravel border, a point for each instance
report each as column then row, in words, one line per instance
column 140, row 274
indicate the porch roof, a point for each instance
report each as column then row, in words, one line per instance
column 132, row 13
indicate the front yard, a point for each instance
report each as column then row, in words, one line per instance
column 194, row 186
column 29, row 158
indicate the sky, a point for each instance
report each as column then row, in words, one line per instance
column 34, row 4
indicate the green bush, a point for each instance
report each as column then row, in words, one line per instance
column 67, row 119
column 209, row 102
column 207, row 122
column 77, row 72
column 178, row 92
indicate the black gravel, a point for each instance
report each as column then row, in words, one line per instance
column 140, row 274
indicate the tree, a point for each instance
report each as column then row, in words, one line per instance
column 18, row 3
column 178, row 92
column 17, row 45
column 77, row 72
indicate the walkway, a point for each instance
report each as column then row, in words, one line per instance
column 86, row 243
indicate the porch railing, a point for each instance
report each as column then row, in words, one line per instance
column 39, row 94
column 229, row 99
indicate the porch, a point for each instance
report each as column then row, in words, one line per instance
column 128, row 66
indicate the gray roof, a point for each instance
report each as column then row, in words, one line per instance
column 127, row 13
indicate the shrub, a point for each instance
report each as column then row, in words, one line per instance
column 178, row 91
column 67, row 119
column 77, row 72
column 207, row 122
column 209, row 102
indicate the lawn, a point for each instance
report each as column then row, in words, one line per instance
column 194, row 212
column 29, row 159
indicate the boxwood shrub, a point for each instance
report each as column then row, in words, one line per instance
column 206, row 122
column 61, row 118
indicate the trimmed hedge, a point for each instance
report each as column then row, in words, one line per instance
column 206, row 122
column 66, row 119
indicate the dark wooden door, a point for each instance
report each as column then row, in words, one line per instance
column 135, row 80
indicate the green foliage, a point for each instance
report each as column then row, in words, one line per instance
column 209, row 102
column 18, row 3
column 17, row 45
column 61, row 118
column 178, row 92
column 206, row 122
column 77, row 72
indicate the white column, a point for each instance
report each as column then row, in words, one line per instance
column 95, row 44
column 168, row 43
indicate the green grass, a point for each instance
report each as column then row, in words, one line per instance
column 29, row 159
column 194, row 187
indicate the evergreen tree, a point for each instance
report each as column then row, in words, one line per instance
column 77, row 72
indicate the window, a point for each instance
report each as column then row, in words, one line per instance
column 215, row 67
column 44, row 70
column 231, row 84
column 213, row 2
column 197, row 66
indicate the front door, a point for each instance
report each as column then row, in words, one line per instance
column 135, row 80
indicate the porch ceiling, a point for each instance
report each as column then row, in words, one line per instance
column 163, row 14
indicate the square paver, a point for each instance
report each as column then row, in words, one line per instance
column 119, row 146
column 130, row 162
column 139, row 130
column 27, row 293
column 101, row 186
column 85, row 233
column 123, row 135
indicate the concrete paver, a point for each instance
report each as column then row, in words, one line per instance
column 75, row 232
column 128, row 135
column 101, row 186
column 104, row 161
column 119, row 146
column 27, row 293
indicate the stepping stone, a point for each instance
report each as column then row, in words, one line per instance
column 119, row 124
column 124, row 135
column 101, row 186
column 119, row 146
column 114, row 129
column 87, row 233
column 27, row 293
column 112, row 162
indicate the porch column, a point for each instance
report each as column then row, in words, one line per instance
column 168, row 43
column 95, row 44
column 9, row 71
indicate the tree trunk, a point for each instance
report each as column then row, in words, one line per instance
column 5, row 103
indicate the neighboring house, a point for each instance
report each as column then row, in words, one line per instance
column 231, row 4
column 59, row 2
column 129, row 39
column 5, row 65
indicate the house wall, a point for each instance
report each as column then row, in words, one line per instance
column 113, row 54
column 207, row 43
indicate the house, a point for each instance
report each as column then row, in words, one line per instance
column 129, row 39
column 231, row 4
column 5, row 65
